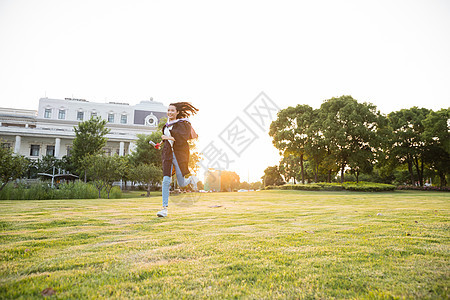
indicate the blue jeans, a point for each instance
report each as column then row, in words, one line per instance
column 168, row 179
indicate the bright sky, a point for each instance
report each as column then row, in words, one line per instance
column 221, row 55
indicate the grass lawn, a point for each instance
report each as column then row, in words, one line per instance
column 256, row 245
column 139, row 194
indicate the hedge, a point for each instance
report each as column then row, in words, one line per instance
column 423, row 188
column 349, row 186
column 42, row 191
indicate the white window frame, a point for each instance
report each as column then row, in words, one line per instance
column 47, row 113
column 82, row 115
column 54, row 149
column 61, row 114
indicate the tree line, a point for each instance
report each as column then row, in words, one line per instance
column 347, row 138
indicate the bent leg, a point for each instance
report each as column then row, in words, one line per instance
column 180, row 178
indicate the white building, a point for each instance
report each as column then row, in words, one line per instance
column 50, row 129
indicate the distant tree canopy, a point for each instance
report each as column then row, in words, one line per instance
column 104, row 170
column 272, row 176
column 89, row 140
column 226, row 181
column 11, row 166
column 351, row 137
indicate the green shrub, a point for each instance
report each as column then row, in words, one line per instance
column 76, row 190
column 39, row 191
column 330, row 186
column 302, row 187
column 363, row 186
column 43, row 191
column 349, row 186
column 424, row 188
column 19, row 191
column 272, row 187
column 115, row 193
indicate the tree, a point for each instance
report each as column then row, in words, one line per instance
column 272, row 176
column 361, row 162
column 348, row 127
column 290, row 167
column 256, row 185
column 12, row 166
column 126, row 170
column 145, row 153
column 104, row 171
column 437, row 136
column 46, row 164
column 407, row 144
column 148, row 174
column 317, row 150
column 222, row 180
column 289, row 131
column 194, row 156
column 229, row 181
column 244, row 185
column 89, row 140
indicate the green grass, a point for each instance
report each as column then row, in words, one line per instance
column 140, row 194
column 257, row 245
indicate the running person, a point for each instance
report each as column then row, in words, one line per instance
column 175, row 152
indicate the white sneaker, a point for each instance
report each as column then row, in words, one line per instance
column 162, row 213
column 194, row 182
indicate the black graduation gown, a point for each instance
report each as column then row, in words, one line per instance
column 181, row 132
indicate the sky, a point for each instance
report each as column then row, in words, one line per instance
column 221, row 55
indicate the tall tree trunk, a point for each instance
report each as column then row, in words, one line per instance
column 148, row 189
column 85, row 177
column 316, row 170
column 301, row 165
column 410, row 169
column 357, row 176
column 342, row 172
column 421, row 172
column 329, row 176
column 442, row 179
column 419, row 175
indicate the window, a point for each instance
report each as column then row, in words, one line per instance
column 62, row 114
column 80, row 116
column 111, row 118
column 123, row 119
column 51, row 150
column 48, row 113
column 34, row 151
column 69, row 149
column 93, row 114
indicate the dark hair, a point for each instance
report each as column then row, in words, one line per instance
column 185, row 109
